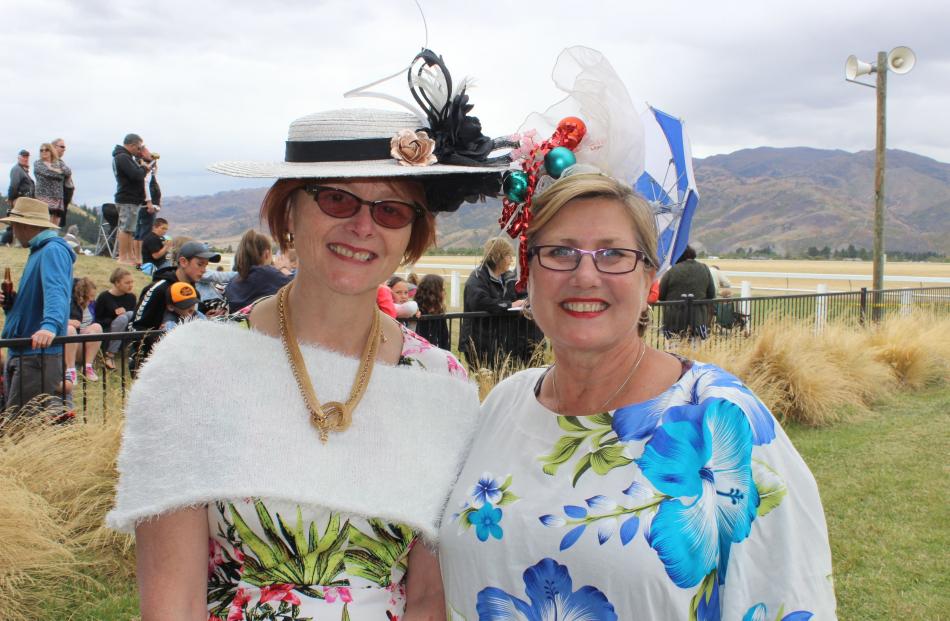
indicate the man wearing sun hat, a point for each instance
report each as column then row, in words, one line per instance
column 41, row 308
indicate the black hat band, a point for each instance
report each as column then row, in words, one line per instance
column 363, row 149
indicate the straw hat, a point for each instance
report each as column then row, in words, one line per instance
column 442, row 145
column 29, row 211
column 348, row 143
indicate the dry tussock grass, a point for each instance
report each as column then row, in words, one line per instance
column 488, row 375
column 815, row 378
column 56, row 485
column 32, row 555
column 915, row 347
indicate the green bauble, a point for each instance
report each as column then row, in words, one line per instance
column 515, row 186
column 558, row 160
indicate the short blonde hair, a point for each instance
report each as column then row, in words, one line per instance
column 593, row 185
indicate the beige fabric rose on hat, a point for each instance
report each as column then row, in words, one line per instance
column 412, row 148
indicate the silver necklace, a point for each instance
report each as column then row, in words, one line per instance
column 636, row 365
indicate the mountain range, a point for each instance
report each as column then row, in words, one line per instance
column 786, row 198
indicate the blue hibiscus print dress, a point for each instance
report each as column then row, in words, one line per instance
column 693, row 505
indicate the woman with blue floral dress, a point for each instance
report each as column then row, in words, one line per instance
column 623, row 482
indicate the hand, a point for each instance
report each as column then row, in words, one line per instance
column 1, row 298
column 75, row 323
column 119, row 311
column 518, row 303
column 149, row 207
column 42, row 338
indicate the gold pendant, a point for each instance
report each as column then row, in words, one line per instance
column 333, row 416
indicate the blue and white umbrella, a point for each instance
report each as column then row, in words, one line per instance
column 668, row 183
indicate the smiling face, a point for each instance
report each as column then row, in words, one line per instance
column 350, row 256
column 584, row 309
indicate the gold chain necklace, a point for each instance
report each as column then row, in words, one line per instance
column 331, row 416
column 636, row 365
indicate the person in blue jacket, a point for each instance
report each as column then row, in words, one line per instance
column 40, row 310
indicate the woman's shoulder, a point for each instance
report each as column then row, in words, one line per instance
column 418, row 352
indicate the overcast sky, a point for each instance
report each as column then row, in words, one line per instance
column 212, row 80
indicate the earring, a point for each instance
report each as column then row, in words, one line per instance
column 644, row 318
column 526, row 309
column 289, row 237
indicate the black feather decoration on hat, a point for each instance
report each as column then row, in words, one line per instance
column 459, row 140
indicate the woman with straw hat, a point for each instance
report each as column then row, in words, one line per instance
column 319, row 465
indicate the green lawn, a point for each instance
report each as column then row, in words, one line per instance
column 883, row 480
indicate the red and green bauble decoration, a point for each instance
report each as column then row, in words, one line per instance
column 552, row 157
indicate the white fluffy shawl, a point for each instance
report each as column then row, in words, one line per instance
column 216, row 414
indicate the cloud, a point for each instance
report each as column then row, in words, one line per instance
column 223, row 79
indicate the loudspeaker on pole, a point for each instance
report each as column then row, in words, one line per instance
column 901, row 59
column 854, row 67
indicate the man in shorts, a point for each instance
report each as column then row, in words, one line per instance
column 129, row 192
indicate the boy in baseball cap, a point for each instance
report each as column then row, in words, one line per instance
column 181, row 305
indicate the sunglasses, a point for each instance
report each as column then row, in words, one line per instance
column 390, row 214
column 45, row 151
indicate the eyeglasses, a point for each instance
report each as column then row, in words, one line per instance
column 606, row 260
column 337, row 203
column 60, row 146
column 44, row 151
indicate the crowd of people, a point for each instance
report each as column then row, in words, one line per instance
column 52, row 300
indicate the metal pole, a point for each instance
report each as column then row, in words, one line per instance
column 877, row 278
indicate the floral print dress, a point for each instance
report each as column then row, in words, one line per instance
column 692, row 505
column 272, row 560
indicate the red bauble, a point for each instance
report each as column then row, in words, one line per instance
column 571, row 131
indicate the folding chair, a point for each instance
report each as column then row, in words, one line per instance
column 108, row 227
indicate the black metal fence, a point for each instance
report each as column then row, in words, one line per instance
column 67, row 397
column 727, row 319
column 725, row 322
